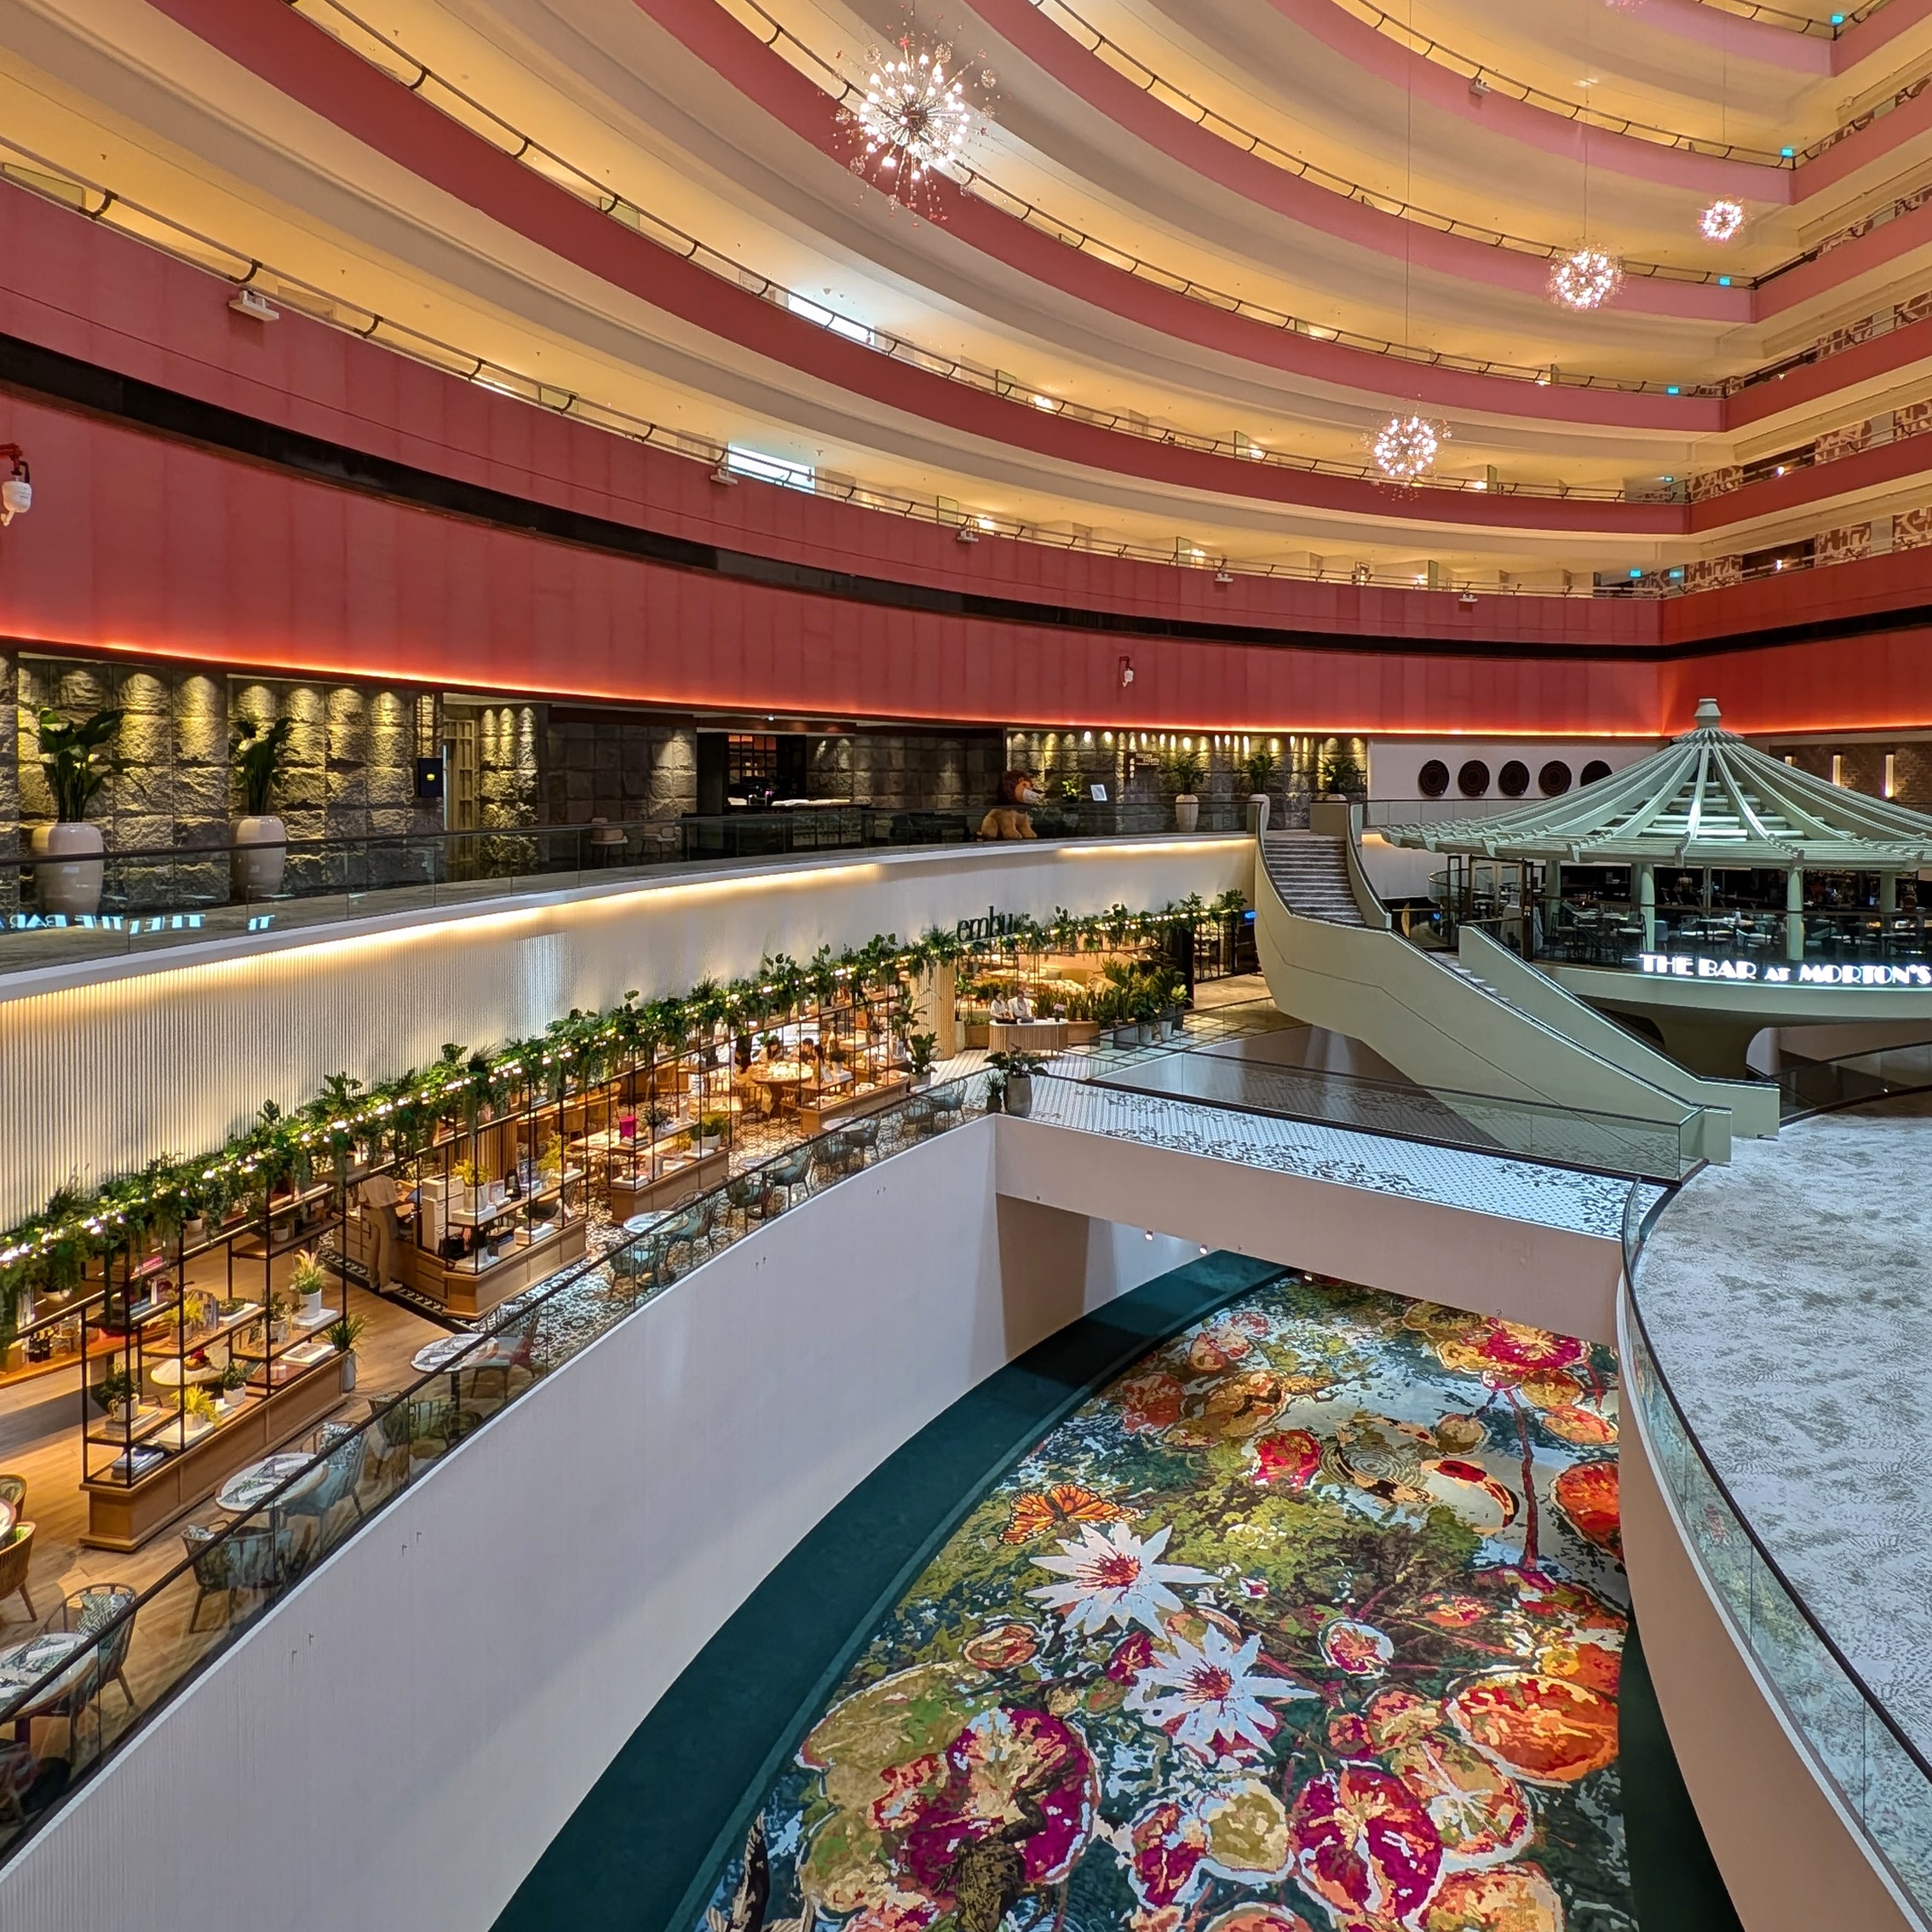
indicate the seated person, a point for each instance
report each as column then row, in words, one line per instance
column 1023, row 1007
column 1002, row 1011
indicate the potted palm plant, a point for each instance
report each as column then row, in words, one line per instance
column 342, row 1334
column 919, row 1051
column 258, row 751
column 1186, row 767
column 77, row 760
column 1259, row 767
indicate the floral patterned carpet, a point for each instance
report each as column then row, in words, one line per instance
column 1310, row 1623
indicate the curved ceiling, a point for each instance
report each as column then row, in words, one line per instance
column 1202, row 248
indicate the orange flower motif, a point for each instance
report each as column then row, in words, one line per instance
column 1149, row 1403
column 1067, row 1502
column 1548, row 1730
column 1587, row 1494
column 1510, row 1353
column 1512, row 1898
column 1002, row 1648
column 1587, row 1427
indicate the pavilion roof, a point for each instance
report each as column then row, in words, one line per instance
column 1706, row 799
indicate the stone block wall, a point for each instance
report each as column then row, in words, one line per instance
column 909, row 771
column 617, row 765
column 1141, row 792
column 350, row 772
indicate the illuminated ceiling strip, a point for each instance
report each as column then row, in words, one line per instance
column 1177, row 100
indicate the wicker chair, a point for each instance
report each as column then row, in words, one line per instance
column 16, row 1553
column 789, row 1171
column 13, row 1489
column 250, row 1557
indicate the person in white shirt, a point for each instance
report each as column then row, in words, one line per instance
column 376, row 1197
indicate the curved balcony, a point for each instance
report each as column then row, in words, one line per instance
column 1756, row 1319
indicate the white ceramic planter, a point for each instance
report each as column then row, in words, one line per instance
column 260, row 857
column 74, row 889
column 348, row 1370
column 1186, row 812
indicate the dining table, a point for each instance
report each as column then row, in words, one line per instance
column 40, row 1670
column 447, row 1352
column 248, row 1489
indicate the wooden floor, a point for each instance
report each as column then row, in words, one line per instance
column 40, row 1441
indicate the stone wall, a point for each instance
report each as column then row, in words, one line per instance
column 909, row 771
column 1133, row 767
column 348, row 772
column 618, row 765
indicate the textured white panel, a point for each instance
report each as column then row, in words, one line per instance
column 103, row 1068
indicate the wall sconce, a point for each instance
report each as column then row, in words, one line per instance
column 16, row 493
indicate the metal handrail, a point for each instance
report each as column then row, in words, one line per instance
column 514, row 1315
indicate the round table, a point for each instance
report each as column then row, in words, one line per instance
column 248, row 1488
column 35, row 1666
column 171, row 1374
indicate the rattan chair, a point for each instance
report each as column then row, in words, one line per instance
column 16, row 1553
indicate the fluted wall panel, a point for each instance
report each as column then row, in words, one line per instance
column 101, row 1073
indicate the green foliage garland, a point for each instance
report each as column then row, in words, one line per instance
column 50, row 1252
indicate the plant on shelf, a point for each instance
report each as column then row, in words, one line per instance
column 279, row 1308
column 77, row 760
column 234, row 1379
column 199, row 1404
column 115, row 1393
column 710, row 1131
column 342, row 1335
column 306, row 1279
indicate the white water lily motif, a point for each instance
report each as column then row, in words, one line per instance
column 1207, row 1698
column 1114, row 1578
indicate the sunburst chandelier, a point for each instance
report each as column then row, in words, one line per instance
column 1585, row 278
column 1721, row 221
column 916, row 119
column 1405, row 446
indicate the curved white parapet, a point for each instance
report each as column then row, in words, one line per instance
column 1787, row 1839
column 104, row 1065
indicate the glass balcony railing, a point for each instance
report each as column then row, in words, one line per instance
column 1665, row 1149
column 79, row 907
column 1816, row 1086
column 114, row 1656
column 1882, row 1778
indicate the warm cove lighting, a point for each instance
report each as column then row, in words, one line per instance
column 1404, row 447
column 1585, row 280
column 1721, row 221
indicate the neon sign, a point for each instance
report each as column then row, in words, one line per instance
column 1822, row 973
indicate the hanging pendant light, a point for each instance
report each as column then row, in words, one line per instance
column 1585, row 278
column 916, row 119
column 1406, row 447
column 1721, row 221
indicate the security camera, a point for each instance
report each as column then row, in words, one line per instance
column 724, row 473
column 1478, row 86
column 966, row 534
column 1467, row 600
column 1224, row 575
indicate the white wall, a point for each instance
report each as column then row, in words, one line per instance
column 102, row 1067
column 395, row 1744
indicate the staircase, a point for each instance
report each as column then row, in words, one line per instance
column 1311, row 873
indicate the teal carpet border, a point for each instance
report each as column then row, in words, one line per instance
column 644, row 1849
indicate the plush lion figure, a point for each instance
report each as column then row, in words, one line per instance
column 1009, row 819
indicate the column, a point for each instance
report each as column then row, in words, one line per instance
column 1888, row 893
column 1647, row 905
column 1794, row 913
